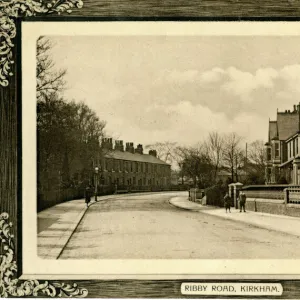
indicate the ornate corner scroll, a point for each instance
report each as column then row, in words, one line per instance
column 10, row 286
column 12, row 9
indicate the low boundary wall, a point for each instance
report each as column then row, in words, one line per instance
column 272, row 207
column 274, row 199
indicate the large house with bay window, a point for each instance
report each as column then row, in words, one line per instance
column 283, row 149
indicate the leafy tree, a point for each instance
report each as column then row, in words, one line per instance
column 198, row 166
column 69, row 134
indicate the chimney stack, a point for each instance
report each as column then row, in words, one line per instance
column 153, row 153
column 130, row 147
column 107, row 143
column 295, row 109
column 139, row 149
column 119, row 145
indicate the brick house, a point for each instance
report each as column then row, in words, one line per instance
column 282, row 148
column 131, row 167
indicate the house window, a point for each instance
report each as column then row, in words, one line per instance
column 296, row 142
column 293, row 148
column 269, row 154
column 277, row 150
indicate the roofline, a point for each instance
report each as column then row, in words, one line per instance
column 288, row 161
column 283, row 112
column 160, row 162
column 291, row 136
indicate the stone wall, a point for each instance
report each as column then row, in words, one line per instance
column 271, row 206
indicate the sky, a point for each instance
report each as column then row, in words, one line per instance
column 160, row 88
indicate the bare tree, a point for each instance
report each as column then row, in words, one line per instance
column 233, row 157
column 49, row 80
column 256, row 153
column 256, row 162
column 166, row 151
column 181, row 154
column 214, row 147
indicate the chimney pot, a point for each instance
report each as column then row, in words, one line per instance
column 139, row 149
column 153, row 153
column 129, row 147
column 119, row 145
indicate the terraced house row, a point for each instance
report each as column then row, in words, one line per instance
column 130, row 166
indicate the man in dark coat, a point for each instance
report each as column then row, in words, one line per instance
column 227, row 202
column 242, row 201
column 88, row 194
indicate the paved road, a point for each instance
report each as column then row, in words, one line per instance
column 149, row 227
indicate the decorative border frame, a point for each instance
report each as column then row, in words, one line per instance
column 11, row 11
column 10, row 285
column 13, row 287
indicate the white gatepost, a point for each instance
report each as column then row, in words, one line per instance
column 296, row 168
column 234, row 189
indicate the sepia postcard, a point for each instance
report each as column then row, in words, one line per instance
column 155, row 159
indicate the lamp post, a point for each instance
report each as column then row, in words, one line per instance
column 96, row 182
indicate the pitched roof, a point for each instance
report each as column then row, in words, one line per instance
column 288, row 124
column 272, row 130
column 116, row 154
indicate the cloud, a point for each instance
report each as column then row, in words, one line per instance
column 212, row 76
column 242, row 83
column 177, row 76
column 184, row 105
column 188, row 124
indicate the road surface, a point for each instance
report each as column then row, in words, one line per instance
column 149, row 227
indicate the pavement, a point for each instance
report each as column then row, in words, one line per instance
column 57, row 224
column 280, row 223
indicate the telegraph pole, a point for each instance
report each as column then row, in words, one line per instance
column 246, row 158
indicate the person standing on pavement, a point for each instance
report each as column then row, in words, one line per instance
column 88, row 192
column 227, row 202
column 242, row 201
